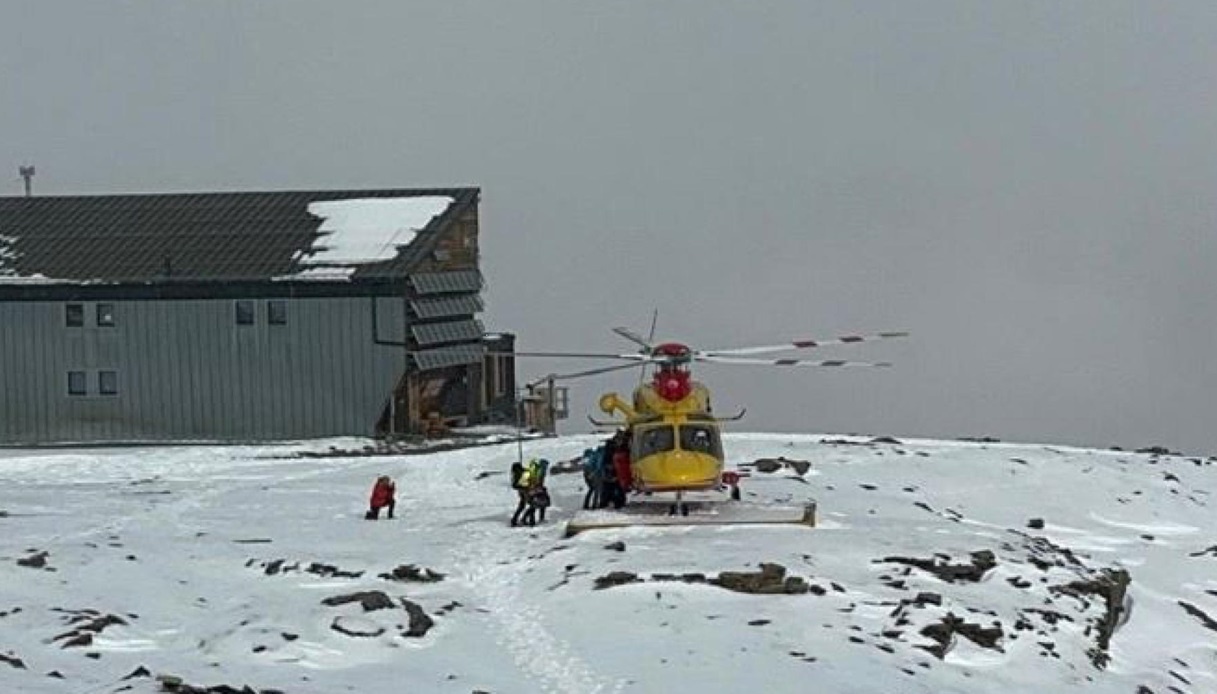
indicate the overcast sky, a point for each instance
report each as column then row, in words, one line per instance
column 1030, row 188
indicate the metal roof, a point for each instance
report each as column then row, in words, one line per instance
column 447, row 282
column 448, row 356
column 211, row 237
column 454, row 331
column 447, row 306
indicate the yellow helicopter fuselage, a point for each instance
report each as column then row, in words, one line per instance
column 675, row 444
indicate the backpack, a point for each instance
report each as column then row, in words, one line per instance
column 517, row 472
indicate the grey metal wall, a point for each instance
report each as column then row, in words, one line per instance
column 187, row 371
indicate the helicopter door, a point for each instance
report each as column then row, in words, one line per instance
column 701, row 438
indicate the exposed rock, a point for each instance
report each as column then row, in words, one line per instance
column 409, row 573
column 140, row 671
column 1212, row 551
column 12, row 660
column 330, row 571
column 34, row 561
column 371, row 600
column 75, row 639
column 1111, row 585
column 770, row 465
column 420, row 621
column 885, row 439
column 86, row 624
column 941, row 633
column 617, row 546
column 767, row 465
column 616, row 578
column 770, row 580
column 1036, row 524
column 1207, row 621
column 982, row 562
column 683, row 578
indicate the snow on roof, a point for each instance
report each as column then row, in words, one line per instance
column 368, row 230
column 8, row 274
column 7, row 253
column 320, row 274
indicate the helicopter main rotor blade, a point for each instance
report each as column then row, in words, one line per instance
column 830, row 363
column 579, row 355
column 593, row 372
column 798, row 344
column 633, row 337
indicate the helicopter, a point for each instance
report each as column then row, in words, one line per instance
column 675, row 439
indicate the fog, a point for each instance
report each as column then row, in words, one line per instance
column 1028, row 188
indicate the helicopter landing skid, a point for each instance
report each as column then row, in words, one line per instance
column 658, row 512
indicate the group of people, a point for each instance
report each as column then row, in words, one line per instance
column 606, row 471
column 533, row 498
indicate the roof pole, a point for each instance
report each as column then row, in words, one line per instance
column 27, row 172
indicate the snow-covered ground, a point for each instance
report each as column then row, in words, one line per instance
column 212, row 563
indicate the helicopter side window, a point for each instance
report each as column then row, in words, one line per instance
column 700, row 438
column 653, row 440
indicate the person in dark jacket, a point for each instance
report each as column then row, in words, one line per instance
column 383, row 496
column 593, row 476
column 517, row 483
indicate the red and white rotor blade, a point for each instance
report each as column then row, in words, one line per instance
column 799, row 344
column 579, row 355
column 826, row 363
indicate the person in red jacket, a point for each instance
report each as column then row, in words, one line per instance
column 383, row 493
column 621, row 465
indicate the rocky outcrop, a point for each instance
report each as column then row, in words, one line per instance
column 982, row 561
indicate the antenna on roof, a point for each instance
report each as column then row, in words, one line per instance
column 27, row 172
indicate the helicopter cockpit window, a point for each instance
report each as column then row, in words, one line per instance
column 700, row 438
column 653, row 440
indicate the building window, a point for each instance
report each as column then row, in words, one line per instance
column 105, row 315
column 75, row 315
column 276, row 312
column 77, row 383
column 107, row 382
column 245, row 312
